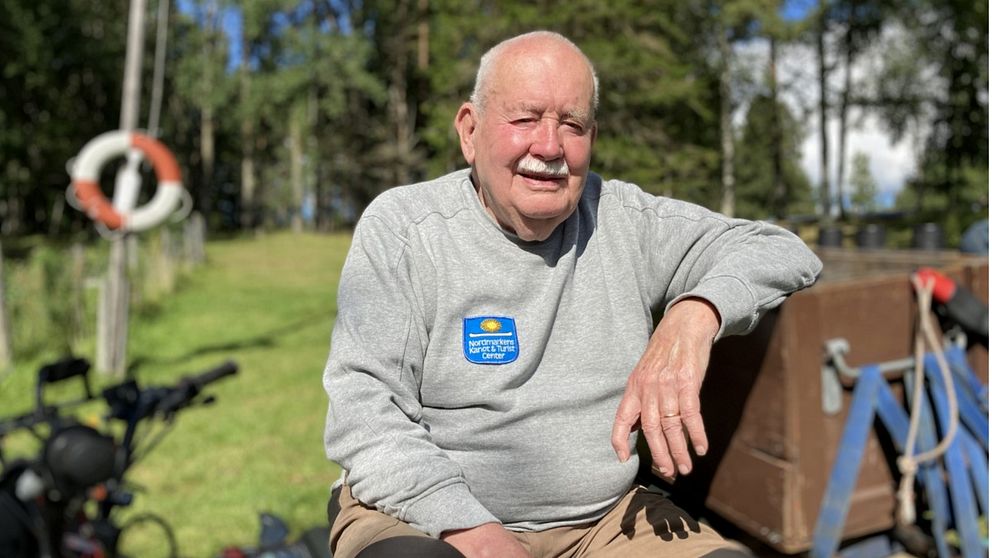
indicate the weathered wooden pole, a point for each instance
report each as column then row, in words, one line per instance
column 6, row 346
column 112, row 319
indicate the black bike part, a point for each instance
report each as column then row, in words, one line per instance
column 171, row 546
column 63, row 370
column 79, row 457
column 123, row 400
column 16, row 537
column 17, row 533
column 316, row 540
column 60, row 371
column 190, row 386
column 226, row 369
column 274, row 530
column 27, row 420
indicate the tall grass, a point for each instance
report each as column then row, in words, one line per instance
column 268, row 303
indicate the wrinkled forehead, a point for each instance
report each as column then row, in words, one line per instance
column 528, row 79
column 523, row 65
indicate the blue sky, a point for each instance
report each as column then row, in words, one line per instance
column 797, row 9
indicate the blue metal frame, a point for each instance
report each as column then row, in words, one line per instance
column 952, row 502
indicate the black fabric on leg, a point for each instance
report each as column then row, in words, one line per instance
column 410, row 547
column 728, row 553
column 333, row 506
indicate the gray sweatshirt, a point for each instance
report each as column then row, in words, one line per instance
column 474, row 377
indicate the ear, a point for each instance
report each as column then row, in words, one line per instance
column 465, row 122
column 594, row 132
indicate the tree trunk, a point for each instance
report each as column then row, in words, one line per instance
column 207, row 124
column 58, row 212
column 403, row 121
column 206, row 106
column 726, row 127
column 423, row 36
column 311, row 176
column 296, row 170
column 247, row 142
column 821, row 53
column 207, row 157
column 12, row 210
column 844, row 103
column 780, row 191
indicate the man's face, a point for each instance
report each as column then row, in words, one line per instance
column 531, row 143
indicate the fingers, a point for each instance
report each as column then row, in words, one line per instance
column 663, row 389
column 628, row 413
column 692, row 420
column 659, row 431
column 667, row 407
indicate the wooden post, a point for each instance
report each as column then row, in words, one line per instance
column 166, row 267
column 112, row 326
column 78, row 256
column 193, row 239
column 6, row 346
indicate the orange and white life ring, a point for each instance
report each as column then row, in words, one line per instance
column 86, row 181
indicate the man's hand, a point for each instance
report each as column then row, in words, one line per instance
column 663, row 390
column 486, row 540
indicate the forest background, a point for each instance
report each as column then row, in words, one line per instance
column 287, row 113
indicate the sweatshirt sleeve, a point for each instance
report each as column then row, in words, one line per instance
column 374, row 426
column 743, row 268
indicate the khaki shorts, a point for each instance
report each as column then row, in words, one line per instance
column 642, row 524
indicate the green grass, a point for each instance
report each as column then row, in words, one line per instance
column 267, row 303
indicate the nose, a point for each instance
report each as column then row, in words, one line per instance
column 547, row 143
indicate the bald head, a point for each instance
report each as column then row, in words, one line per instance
column 518, row 49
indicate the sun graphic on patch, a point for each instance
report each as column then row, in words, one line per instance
column 490, row 325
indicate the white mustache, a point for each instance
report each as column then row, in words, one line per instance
column 532, row 165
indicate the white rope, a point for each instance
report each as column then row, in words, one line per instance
column 106, row 233
column 71, row 199
column 185, row 209
column 909, row 463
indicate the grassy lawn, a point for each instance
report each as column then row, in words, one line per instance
column 267, row 303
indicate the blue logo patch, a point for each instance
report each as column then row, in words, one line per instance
column 490, row 340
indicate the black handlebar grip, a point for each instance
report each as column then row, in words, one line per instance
column 63, row 370
column 228, row 368
column 190, row 386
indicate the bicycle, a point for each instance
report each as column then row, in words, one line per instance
column 61, row 503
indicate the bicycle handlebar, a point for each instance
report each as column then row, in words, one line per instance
column 190, row 386
column 27, row 420
column 75, row 457
column 228, row 368
column 126, row 400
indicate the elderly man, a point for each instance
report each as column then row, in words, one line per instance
column 493, row 356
